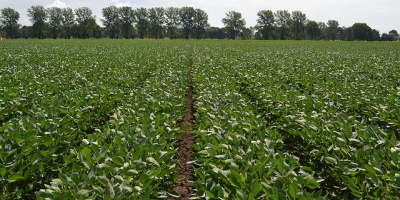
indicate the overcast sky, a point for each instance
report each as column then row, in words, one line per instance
column 383, row 15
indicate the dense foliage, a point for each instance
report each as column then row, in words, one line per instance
column 186, row 22
column 297, row 120
column 89, row 120
column 99, row 119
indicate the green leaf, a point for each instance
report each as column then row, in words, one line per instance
column 152, row 160
column 137, row 188
column 237, row 178
column 89, row 160
column 128, row 173
column 118, row 160
column 110, row 190
column 257, row 187
column 331, row 160
column 84, row 193
column 280, row 166
column 103, row 180
column 43, row 153
column 312, row 183
column 355, row 190
column 210, row 194
column 293, row 190
column 127, row 189
column 217, row 191
column 3, row 171
column 15, row 177
column 270, row 171
column 318, row 194
column 98, row 189
column 86, row 151
column 19, row 140
column 211, row 115
column 306, row 169
column 370, row 169
column 374, row 179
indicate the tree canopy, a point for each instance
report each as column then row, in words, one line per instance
column 38, row 17
column 112, row 21
column 173, row 22
column 361, row 31
column 127, row 15
column 55, row 16
column 234, row 24
column 9, row 21
column 265, row 23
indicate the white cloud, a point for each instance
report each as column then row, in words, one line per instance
column 121, row 4
column 57, row 3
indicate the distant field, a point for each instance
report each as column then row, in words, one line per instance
column 87, row 119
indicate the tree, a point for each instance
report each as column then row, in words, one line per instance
column 142, row 22
column 361, row 31
column 247, row 33
column 172, row 21
column 234, row 24
column 298, row 24
column 283, row 19
column 87, row 26
column 38, row 17
column 156, row 19
column 83, row 14
column 385, row 37
column 333, row 24
column 186, row 16
column 112, row 21
column 376, row 36
column 323, row 27
column 265, row 23
column 127, row 15
column 9, row 21
column 200, row 23
column 393, row 35
column 332, row 30
column 340, row 33
column 313, row 30
column 68, row 21
column 55, row 15
column 26, row 32
column 90, row 29
column 216, row 33
column 348, row 33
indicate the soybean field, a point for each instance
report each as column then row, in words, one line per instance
column 199, row 119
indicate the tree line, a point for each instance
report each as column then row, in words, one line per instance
column 174, row 23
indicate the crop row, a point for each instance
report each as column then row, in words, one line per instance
column 313, row 103
column 274, row 120
column 237, row 153
column 95, row 121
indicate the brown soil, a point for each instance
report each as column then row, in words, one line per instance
column 184, row 187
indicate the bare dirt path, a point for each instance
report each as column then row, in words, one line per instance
column 184, row 187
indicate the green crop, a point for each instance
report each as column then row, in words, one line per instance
column 100, row 119
column 300, row 120
column 93, row 120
